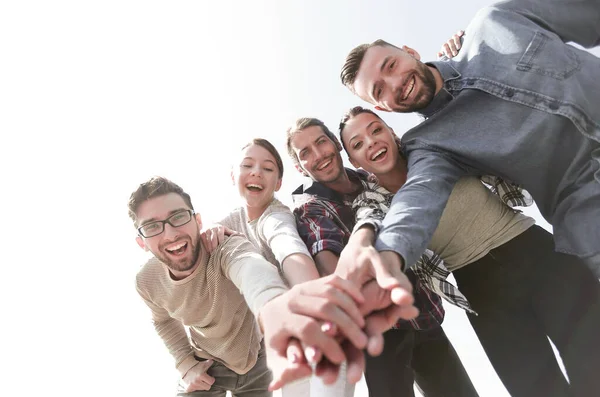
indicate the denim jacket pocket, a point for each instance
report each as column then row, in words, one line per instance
column 549, row 57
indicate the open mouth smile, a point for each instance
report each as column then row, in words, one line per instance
column 379, row 155
column 177, row 249
column 253, row 187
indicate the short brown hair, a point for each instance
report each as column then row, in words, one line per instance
column 302, row 124
column 155, row 187
column 354, row 60
column 268, row 146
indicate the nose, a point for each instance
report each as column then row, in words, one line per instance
column 170, row 232
column 256, row 170
column 318, row 153
column 369, row 141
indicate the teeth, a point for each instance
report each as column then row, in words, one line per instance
column 254, row 186
column 410, row 87
column 175, row 247
column 324, row 165
column 378, row 153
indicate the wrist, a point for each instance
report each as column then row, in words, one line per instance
column 364, row 236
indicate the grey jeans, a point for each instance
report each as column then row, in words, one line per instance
column 254, row 383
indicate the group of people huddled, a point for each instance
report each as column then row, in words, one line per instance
column 351, row 279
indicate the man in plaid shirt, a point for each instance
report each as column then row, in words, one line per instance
column 325, row 221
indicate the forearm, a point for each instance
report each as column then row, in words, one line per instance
column 417, row 207
column 298, row 268
column 326, row 262
column 173, row 334
column 258, row 280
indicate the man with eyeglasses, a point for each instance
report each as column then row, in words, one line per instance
column 214, row 297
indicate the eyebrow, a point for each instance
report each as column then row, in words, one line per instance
column 385, row 61
column 170, row 213
column 368, row 125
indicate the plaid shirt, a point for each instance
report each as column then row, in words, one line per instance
column 325, row 220
column 373, row 203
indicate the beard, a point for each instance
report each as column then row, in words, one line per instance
column 315, row 175
column 424, row 97
column 184, row 264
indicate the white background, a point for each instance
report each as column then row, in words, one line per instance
column 97, row 96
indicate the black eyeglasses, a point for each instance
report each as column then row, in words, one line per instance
column 157, row 227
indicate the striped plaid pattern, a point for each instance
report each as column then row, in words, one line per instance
column 510, row 193
column 374, row 202
column 325, row 220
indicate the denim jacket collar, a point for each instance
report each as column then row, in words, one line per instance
column 443, row 97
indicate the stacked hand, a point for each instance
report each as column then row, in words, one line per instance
column 332, row 319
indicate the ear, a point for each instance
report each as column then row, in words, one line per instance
column 198, row 220
column 300, row 170
column 413, row 53
column 354, row 163
column 381, row 109
column 140, row 241
column 232, row 176
column 278, row 185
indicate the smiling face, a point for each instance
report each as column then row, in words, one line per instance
column 318, row 156
column 257, row 178
column 371, row 144
column 394, row 80
column 177, row 247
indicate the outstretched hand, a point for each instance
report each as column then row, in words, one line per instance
column 300, row 313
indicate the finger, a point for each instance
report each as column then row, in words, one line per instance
column 456, row 40
column 329, row 328
column 327, row 371
column 230, row 232
column 452, row 47
column 204, row 240
column 323, row 309
column 220, row 234
column 347, row 286
column 342, row 300
column 313, row 356
column 447, row 51
column 381, row 321
column 282, row 376
column 355, row 363
column 197, row 385
column 294, row 352
column 460, row 33
column 214, row 238
column 308, row 331
column 440, row 54
column 206, row 378
column 389, row 274
column 402, row 296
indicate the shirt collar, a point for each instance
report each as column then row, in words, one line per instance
column 317, row 189
column 443, row 97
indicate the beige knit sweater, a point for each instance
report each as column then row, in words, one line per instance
column 215, row 304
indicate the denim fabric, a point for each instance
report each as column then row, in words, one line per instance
column 518, row 103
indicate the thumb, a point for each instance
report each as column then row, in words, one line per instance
column 231, row 232
column 388, row 271
column 207, row 364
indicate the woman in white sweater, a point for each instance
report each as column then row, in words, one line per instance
column 271, row 227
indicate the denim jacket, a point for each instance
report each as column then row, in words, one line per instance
column 519, row 103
